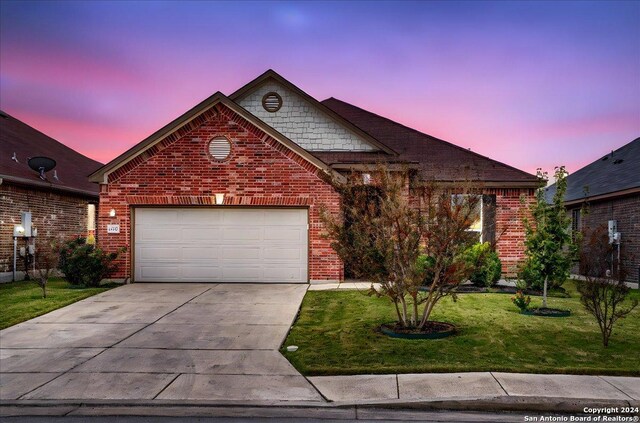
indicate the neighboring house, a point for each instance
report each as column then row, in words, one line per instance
column 231, row 190
column 609, row 189
column 62, row 204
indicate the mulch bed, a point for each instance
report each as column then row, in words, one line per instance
column 547, row 312
column 432, row 330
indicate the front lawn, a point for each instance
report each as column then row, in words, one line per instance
column 335, row 335
column 20, row 301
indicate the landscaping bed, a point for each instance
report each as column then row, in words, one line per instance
column 20, row 301
column 336, row 334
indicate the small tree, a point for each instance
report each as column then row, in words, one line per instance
column 48, row 254
column 602, row 293
column 549, row 247
column 383, row 232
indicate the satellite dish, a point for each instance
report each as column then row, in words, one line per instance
column 41, row 165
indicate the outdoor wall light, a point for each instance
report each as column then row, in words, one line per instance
column 18, row 230
column 219, row 199
column 112, row 213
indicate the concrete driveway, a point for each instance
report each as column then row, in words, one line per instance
column 159, row 341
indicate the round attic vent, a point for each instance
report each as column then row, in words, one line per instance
column 272, row 102
column 220, row 148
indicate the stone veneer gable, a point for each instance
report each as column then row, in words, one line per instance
column 302, row 122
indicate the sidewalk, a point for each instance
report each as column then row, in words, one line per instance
column 351, row 397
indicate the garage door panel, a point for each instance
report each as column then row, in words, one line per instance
column 157, row 233
column 283, row 254
column 241, row 273
column 242, row 217
column 157, row 216
column 286, row 217
column 187, row 216
column 282, row 273
column 199, row 272
column 201, row 252
column 157, row 253
column 284, row 234
column 221, row 245
column 242, row 253
column 159, row 273
column 239, row 233
column 197, row 234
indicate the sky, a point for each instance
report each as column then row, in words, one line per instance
column 531, row 84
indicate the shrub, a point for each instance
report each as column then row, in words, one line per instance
column 486, row 264
column 425, row 266
column 521, row 301
column 85, row 264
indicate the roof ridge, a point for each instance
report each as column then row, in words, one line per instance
column 425, row 134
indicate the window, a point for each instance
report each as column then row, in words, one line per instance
column 476, row 214
column 91, row 217
column 575, row 223
column 220, row 148
column 272, row 102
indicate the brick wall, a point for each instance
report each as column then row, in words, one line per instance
column 52, row 213
column 302, row 122
column 259, row 172
column 510, row 233
column 626, row 211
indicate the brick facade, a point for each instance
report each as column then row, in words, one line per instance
column 512, row 205
column 54, row 214
column 625, row 211
column 259, row 172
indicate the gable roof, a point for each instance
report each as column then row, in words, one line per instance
column 101, row 175
column 273, row 75
column 616, row 173
column 72, row 168
column 436, row 159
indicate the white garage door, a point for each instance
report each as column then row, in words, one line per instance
column 220, row 245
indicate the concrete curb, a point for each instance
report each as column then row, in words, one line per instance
column 336, row 410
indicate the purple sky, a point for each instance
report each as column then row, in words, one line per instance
column 532, row 84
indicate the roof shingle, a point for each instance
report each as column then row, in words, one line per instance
column 436, row 159
column 72, row 167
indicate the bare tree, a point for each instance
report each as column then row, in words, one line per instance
column 386, row 227
column 48, row 257
column 602, row 293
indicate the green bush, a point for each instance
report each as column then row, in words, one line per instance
column 532, row 276
column 425, row 264
column 85, row 264
column 486, row 264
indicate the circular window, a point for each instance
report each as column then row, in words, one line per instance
column 272, row 102
column 220, row 148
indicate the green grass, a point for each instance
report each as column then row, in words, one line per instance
column 336, row 335
column 20, row 301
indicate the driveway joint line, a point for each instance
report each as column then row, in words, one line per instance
column 108, row 347
column 500, row 384
column 623, row 392
column 397, row 386
column 166, row 386
column 164, row 315
column 39, row 386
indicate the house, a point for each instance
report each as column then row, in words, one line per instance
column 62, row 201
column 231, row 190
column 608, row 190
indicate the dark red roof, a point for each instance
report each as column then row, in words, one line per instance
column 436, row 159
column 72, row 168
